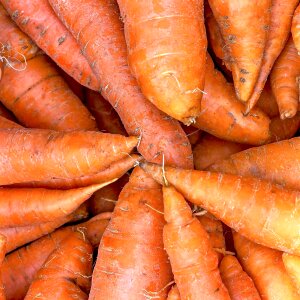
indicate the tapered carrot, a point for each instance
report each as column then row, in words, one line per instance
column 210, row 149
column 265, row 267
column 239, row 284
column 2, row 256
column 35, row 154
column 36, row 18
column 6, row 123
column 285, row 81
column 68, row 268
column 222, row 114
column 276, row 162
column 6, row 113
column 174, row 293
column 296, row 27
column 124, row 254
column 280, row 25
column 43, row 100
column 93, row 23
column 292, row 266
column 263, row 212
column 245, row 43
column 193, row 260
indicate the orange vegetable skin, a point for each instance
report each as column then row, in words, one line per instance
column 261, row 211
column 124, row 254
column 94, row 23
column 240, row 286
column 174, row 293
column 6, row 123
column 245, row 43
column 36, row 18
column 222, row 114
column 296, row 27
column 66, row 273
column 292, row 266
column 2, row 257
column 47, row 154
column 280, row 25
column 43, row 100
column 193, row 260
column 4, row 112
column 275, row 162
column 266, row 269
column 284, row 80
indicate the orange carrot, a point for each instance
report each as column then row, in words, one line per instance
column 68, row 269
column 275, row 162
column 284, row 80
column 210, row 149
column 295, row 27
column 47, row 154
column 5, row 113
column 36, row 18
column 239, row 284
column 266, row 269
column 292, row 266
column 192, row 133
column 43, row 100
column 2, row 257
column 261, row 211
column 94, row 23
column 124, row 254
column 74, row 85
column 174, row 293
column 222, row 114
column 244, row 42
column 193, row 260
column 6, row 123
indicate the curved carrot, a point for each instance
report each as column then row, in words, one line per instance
column 239, row 284
column 245, row 43
column 2, row 257
column 292, row 266
column 266, row 269
column 6, row 123
column 93, row 23
column 35, row 154
column 261, row 211
column 296, row 27
column 43, row 100
column 194, row 262
column 280, row 25
column 222, row 113
column 36, row 18
column 174, row 293
column 124, row 254
column 285, row 80
column 68, row 269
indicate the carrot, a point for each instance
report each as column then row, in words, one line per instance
column 106, row 117
column 192, row 133
column 43, row 100
column 266, row 269
column 295, row 27
column 2, row 257
column 74, row 85
column 48, row 154
column 174, row 293
column 210, row 149
column 93, row 23
column 6, row 113
column 6, row 123
column 280, row 24
column 292, row 266
column 222, row 114
column 36, row 18
column 15, row 45
column 68, row 269
column 284, row 80
column 193, row 260
column 124, row 254
column 275, row 162
column 239, row 284
column 244, row 42
column 261, row 211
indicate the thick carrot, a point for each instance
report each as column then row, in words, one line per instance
column 174, row 293
column 210, row 149
column 292, row 266
column 2, row 257
column 36, row 18
column 194, row 262
column 263, row 212
column 106, row 117
column 245, row 43
column 43, row 100
column 277, row 162
column 265, row 267
column 285, row 81
column 35, row 154
column 68, row 269
column 124, row 254
column 222, row 114
column 296, row 27
column 94, row 23
column 6, row 123
column 280, row 25
column 239, row 284
column 6, row 113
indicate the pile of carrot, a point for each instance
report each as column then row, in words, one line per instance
column 149, row 149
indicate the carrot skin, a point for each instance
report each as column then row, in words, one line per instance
column 2, row 257
column 4, row 113
column 6, row 123
column 174, row 293
column 292, row 266
column 296, row 27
